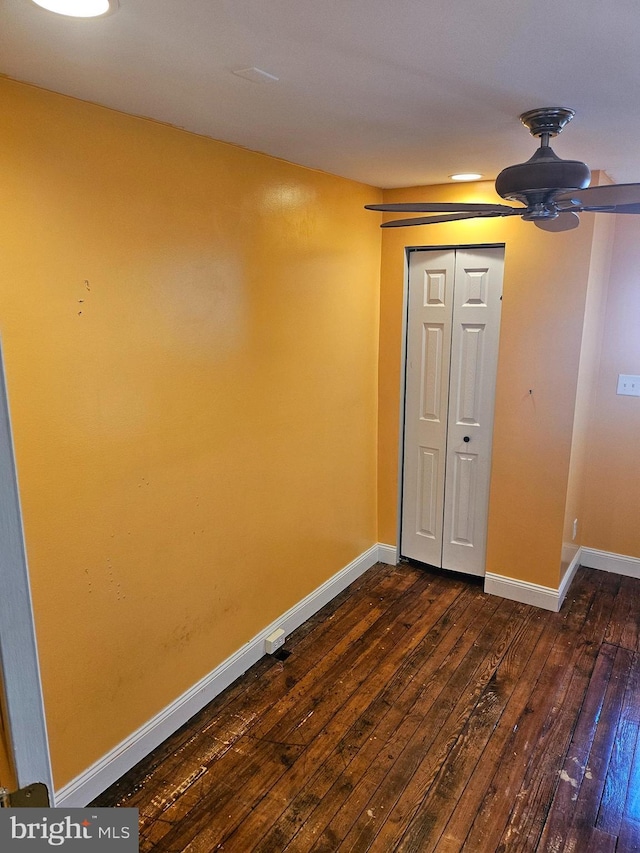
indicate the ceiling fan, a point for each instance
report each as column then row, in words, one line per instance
column 554, row 191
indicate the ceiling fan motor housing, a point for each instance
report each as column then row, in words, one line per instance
column 536, row 182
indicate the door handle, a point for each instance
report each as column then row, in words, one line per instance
column 467, row 438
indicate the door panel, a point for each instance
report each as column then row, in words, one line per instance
column 452, row 344
column 474, row 359
column 428, row 352
column 428, row 504
column 468, row 396
column 431, row 372
column 463, row 484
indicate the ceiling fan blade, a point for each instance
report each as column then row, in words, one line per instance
column 599, row 197
column 440, row 207
column 448, row 217
column 563, row 222
column 618, row 208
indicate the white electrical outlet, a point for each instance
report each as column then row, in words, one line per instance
column 274, row 641
column 628, row 385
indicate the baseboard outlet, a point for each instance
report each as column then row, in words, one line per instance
column 526, row 593
column 592, row 558
column 93, row 781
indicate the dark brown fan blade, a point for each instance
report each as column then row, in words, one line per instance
column 619, row 208
column 440, row 207
column 593, row 198
column 449, row 217
column 562, row 222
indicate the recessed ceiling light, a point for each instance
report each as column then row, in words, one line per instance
column 466, row 176
column 79, row 8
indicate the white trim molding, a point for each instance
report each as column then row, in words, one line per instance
column 93, row 781
column 550, row 598
column 388, row 554
column 547, row 597
column 569, row 575
column 22, row 702
column 592, row 558
column 526, row 593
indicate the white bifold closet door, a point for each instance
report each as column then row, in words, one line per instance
column 452, row 351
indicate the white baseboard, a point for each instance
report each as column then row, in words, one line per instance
column 569, row 575
column 591, row 558
column 546, row 597
column 388, row 554
column 550, row 598
column 526, row 593
column 93, row 781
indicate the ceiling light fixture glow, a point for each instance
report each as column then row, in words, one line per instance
column 466, row 176
column 78, row 8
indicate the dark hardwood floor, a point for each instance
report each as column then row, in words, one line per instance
column 415, row 713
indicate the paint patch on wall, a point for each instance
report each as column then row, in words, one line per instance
column 201, row 304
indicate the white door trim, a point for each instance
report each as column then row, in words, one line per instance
column 23, row 703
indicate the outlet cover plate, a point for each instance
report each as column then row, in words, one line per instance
column 628, row 385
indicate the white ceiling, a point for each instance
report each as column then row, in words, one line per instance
column 389, row 92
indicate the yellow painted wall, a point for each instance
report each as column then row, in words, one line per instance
column 612, row 492
column 590, row 354
column 190, row 335
column 545, row 289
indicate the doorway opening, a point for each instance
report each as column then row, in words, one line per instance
column 452, row 334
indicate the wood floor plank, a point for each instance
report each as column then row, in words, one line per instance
column 496, row 752
column 350, row 796
column 576, row 763
column 288, row 802
column 629, row 831
column 427, row 824
column 360, row 686
column 297, row 717
column 600, row 842
column 387, row 723
column 629, row 836
column 512, row 815
column 530, row 812
column 414, row 770
column 416, row 715
column 527, row 736
column 619, row 780
column 589, row 794
column 624, row 629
